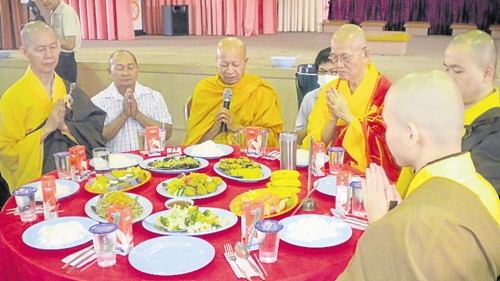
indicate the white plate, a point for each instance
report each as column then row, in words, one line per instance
column 144, row 165
column 343, row 230
column 147, row 207
column 73, row 188
column 266, row 173
column 136, row 158
column 162, row 191
column 327, row 185
column 217, row 211
column 171, row 255
column 226, row 150
column 31, row 236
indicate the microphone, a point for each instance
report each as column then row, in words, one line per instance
column 226, row 98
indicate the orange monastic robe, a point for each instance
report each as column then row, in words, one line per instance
column 254, row 103
column 363, row 139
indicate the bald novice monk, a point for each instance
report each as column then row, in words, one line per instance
column 348, row 110
column 254, row 102
column 36, row 118
column 470, row 59
column 441, row 230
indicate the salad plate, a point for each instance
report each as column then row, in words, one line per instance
column 226, row 150
column 344, row 232
column 171, row 255
column 147, row 208
column 31, row 236
column 149, row 222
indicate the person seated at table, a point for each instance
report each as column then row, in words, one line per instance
column 37, row 118
column 348, row 110
column 254, row 102
column 129, row 105
column 447, row 226
column 470, row 59
column 326, row 74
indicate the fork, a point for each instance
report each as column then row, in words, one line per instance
column 228, row 250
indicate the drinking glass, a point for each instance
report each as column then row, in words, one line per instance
column 104, row 237
column 62, row 165
column 101, row 159
column 25, row 200
column 268, row 237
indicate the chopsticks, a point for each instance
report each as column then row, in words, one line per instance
column 89, row 249
column 260, row 264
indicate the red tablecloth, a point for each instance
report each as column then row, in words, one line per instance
column 21, row 262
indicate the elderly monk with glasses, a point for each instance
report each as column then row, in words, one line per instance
column 348, row 110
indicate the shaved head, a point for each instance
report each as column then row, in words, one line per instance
column 231, row 44
column 424, row 114
column 350, row 34
column 231, row 60
column 479, row 44
column 38, row 27
column 120, row 53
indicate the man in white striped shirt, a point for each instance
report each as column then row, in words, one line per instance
column 129, row 105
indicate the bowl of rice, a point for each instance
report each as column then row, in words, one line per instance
column 208, row 150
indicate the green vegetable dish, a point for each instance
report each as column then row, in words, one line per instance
column 119, row 197
column 191, row 219
column 192, row 185
column 175, row 163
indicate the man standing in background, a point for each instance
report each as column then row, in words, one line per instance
column 66, row 23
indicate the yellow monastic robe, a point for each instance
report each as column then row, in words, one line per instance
column 254, row 103
column 23, row 107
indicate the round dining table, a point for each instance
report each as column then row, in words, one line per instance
column 19, row 261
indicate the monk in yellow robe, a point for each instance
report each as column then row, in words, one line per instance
column 38, row 96
column 348, row 110
column 470, row 59
column 254, row 102
column 442, row 230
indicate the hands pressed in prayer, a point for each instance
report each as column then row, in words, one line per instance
column 378, row 192
column 56, row 118
column 130, row 108
column 224, row 116
column 337, row 105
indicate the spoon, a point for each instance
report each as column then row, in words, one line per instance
column 242, row 252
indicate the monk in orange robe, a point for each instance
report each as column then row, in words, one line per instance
column 348, row 110
column 254, row 102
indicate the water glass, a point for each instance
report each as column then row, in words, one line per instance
column 104, row 237
column 268, row 237
column 62, row 165
column 336, row 159
column 238, row 138
column 101, row 159
column 143, row 142
column 25, row 200
column 357, row 203
column 263, row 142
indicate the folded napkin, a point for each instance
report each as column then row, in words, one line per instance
column 243, row 264
column 353, row 222
column 88, row 257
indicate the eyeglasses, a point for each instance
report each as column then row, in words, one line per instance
column 345, row 58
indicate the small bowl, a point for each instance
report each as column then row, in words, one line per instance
column 178, row 201
column 5, row 54
column 283, row 61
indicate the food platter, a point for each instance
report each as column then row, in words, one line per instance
column 162, row 191
column 132, row 158
column 171, row 255
column 144, row 165
column 266, row 173
column 327, row 185
column 226, row 149
column 344, row 232
column 143, row 201
column 149, row 222
column 31, row 236
column 72, row 188
column 88, row 185
column 235, row 204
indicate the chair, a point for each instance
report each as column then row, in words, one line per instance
column 187, row 108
